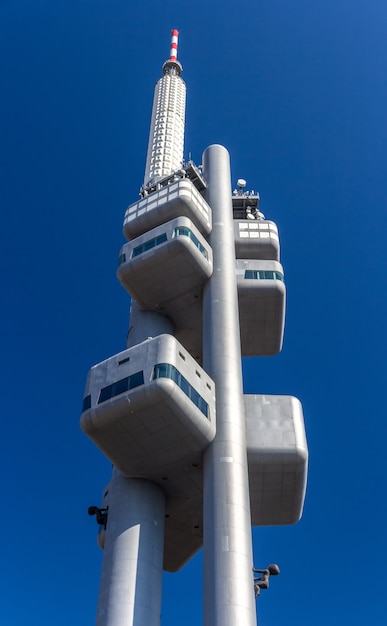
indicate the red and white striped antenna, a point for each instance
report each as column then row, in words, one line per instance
column 174, row 41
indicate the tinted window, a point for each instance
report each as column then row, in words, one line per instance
column 86, row 403
column 121, row 386
column 165, row 370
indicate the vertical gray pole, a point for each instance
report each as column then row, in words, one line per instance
column 130, row 589
column 228, row 581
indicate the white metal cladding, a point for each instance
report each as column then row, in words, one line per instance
column 261, row 307
column 164, row 264
column 166, row 135
column 256, row 239
column 180, row 198
column 277, row 454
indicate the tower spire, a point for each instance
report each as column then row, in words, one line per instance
column 166, row 135
column 174, row 42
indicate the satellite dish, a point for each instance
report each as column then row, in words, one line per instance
column 241, row 182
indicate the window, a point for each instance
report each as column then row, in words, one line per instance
column 86, row 403
column 122, row 258
column 121, row 386
column 165, row 370
column 263, row 275
column 148, row 245
column 183, row 230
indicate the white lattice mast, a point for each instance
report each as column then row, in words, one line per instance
column 166, row 135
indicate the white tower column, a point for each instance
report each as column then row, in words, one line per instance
column 130, row 589
column 166, row 135
column 228, row 581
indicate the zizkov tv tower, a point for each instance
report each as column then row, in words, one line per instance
column 195, row 461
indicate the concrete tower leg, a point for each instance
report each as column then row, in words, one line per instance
column 131, row 579
column 144, row 324
column 228, row 583
column 130, row 590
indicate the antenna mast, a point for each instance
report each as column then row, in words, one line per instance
column 166, row 135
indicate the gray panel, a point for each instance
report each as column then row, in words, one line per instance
column 256, row 239
column 277, row 454
column 176, row 199
column 261, row 309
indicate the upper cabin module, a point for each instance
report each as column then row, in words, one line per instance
column 260, row 276
column 152, row 226
column 255, row 237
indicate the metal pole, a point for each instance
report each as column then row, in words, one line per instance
column 228, row 583
column 130, row 589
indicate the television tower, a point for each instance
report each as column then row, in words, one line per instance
column 196, row 462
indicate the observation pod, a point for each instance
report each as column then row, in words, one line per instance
column 151, row 410
column 149, row 407
column 277, row 455
column 175, row 197
column 164, row 270
column 256, row 239
column 261, row 296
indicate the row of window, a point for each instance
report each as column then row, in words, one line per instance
column 161, row 370
column 245, row 234
column 257, row 226
column 148, row 245
column 166, row 370
column 86, row 403
column 173, row 149
column 170, row 89
column 175, row 157
column 161, row 129
column 264, row 275
column 125, row 384
column 187, row 232
column 165, row 131
column 174, row 190
column 166, row 105
column 156, row 241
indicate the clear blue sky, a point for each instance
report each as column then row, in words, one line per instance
column 297, row 92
